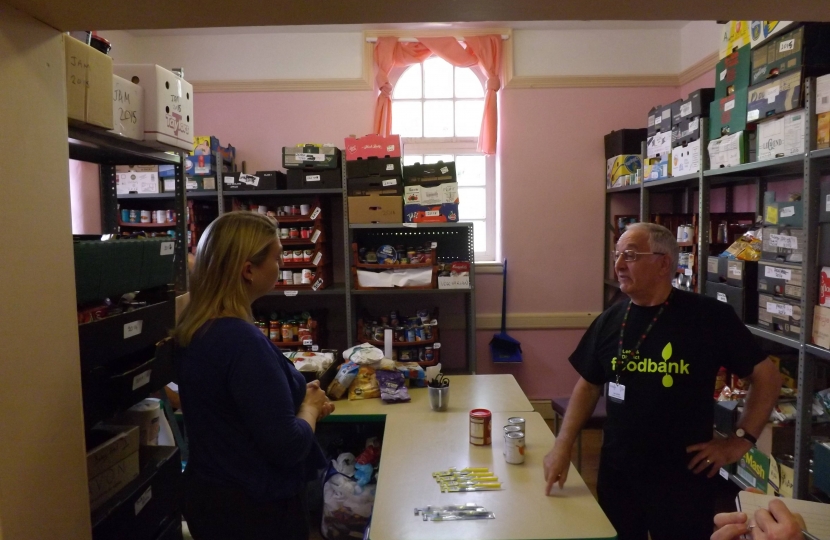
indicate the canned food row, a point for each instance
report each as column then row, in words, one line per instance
column 148, row 216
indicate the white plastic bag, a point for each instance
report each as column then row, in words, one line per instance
column 347, row 507
column 363, row 354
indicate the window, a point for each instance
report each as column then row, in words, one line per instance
column 437, row 109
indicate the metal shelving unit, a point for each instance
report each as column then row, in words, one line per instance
column 810, row 166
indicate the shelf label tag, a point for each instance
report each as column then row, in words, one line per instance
column 167, row 248
column 753, row 115
column 729, row 105
column 141, row 379
column 315, row 348
column 436, row 346
column 686, row 109
column 312, row 178
column 132, row 329
column 316, row 235
column 310, row 157
column 308, row 342
column 779, row 309
column 413, row 225
column 315, row 213
column 390, row 182
column 318, row 258
column 317, row 284
column 291, row 293
column 722, row 297
column 434, row 245
column 778, row 273
column 143, row 500
column 687, row 272
column 785, row 46
column 787, row 211
column 390, row 167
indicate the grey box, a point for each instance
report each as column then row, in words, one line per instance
column 784, row 214
column 741, row 300
column 783, row 244
column 742, row 274
column 824, row 204
column 716, row 269
column 780, row 315
column 779, row 279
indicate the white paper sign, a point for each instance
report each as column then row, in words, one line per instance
column 390, row 167
column 724, row 474
column 132, row 329
column 312, row 178
column 787, row 45
column 411, row 225
column 780, row 309
column 687, row 272
column 729, row 105
column 686, row 109
column 733, row 271
column 445, row 170
column 722, row 75
column 722, row 297
column 315, row 213
column 143, row 500
column 390, row 182
column 726, row 151
column 783, row 241
column 778, row 273
column 308, row 342
column 772, row 93
column 827, row 204
column 659, row 144
column 291, row 293
column 310, row 157
column 666, row 114
column 317, row 284
column 141, row 379
column 787, row 211
column 686, row 160
column 753, row 115
column 167, row 248
column 318, row 258
column 436, row 346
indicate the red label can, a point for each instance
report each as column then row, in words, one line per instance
column 480, row 427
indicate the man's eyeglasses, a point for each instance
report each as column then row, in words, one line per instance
column 629, row 255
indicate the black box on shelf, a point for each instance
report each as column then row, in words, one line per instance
column 239, row 181
column 271, row 180
column 742, row 274
column 432, row 174
column 624, row 142
column 311, row 157
column 696, row 105
column 685, row 132
column 716, row 269
column 361, row 168
column 660, row 118
column 782, row 214
column 779, row 279
column 783, row 244
column 743, row 301
column 379, row 185
column 775, row 96
column 143, row 507
column 824, row 244
column 824, row 204
column 780, row 315
column 806, row 47
column 323, row 179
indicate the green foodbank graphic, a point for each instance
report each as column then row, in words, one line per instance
column 647, row 365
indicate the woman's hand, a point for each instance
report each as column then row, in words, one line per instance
column 316, row 400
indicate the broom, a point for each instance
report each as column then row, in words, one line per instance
column 504, row 348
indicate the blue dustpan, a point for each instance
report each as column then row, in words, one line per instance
column 504, row 348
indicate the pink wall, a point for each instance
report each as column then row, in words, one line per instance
column 704, row 81
column 85, row 197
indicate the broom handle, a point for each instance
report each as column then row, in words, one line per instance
column 504, row 300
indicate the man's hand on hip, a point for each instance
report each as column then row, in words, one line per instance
column 716, row 453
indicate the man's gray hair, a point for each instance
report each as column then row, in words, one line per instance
column 660, row 240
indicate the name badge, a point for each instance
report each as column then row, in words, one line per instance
column 616, row 392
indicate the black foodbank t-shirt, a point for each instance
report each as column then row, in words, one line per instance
column 669, row 385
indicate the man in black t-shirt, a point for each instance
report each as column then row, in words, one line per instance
column 659, row 355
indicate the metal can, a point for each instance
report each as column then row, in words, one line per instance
column 428, row 332
column 509, row 429
column 287, row 277
column 306, row 276
column 274, row 331
column 263, row 327
column 295, row 209
column 146, row 216
column 514, row 447
column 517, row 421
column 307, row 255
column 161, row 216
column 305, row 209
column 419, row 334
column 171, row 216
column 305, row 232
column 429, row 354
column 125, row 215
column 400, row 333
column 133, row 216
column 480, row 427
column 410, row 335
column 293, row 232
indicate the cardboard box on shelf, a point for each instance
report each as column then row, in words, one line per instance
column 780, row 315
column 240, row 181
column 781, row 137
column 696, row 105
column 760, row 31
column 782, row 244
column 436, row 204
column 112, row 462
column 656, row 168
column 322, row 179
column 311, row 157
column 742, row 274
column 823, row 130
column 271, row 180
column 727, row 151
column 735, row 35
column 209, row 145
column 372, row 145
column 127, row 109
column 620, row 166
column 202, row 165
column 784, row 214
column 732, row 73
column 198, row 183
column 624, row 142
column 779, row 279
column 427, row 174
column 688, row 130
column 824, row 287
column 168, row 104
column 823, row 94
column 136, row 179
column 716, row 268
column 375, row 209
column 807, row 47
column 660, row 119
column 775, row 96
column 743, row 301
column 754, row 469
column 821, row 466
column 88, row 84
column 659, row 145
column 378, row 185
column 685, row 159
column 728, row 115
column 363, row 168
column 821, row 326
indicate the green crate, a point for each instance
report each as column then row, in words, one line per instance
column 121, row 269
column 157, row 266
column 89, row 259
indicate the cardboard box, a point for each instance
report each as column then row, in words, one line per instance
column 780, row 315
column 753, row 468
column 821, row 326
column 168, row 104
column 743, row 301
column 202, row 165
column 823, row 94
column 209, row 145
column 687, row 130
column 656, row 168
column 781, row 137
column 760, row 31
column 323, row 179
column 437, row 204
column 659, row 145
column 88, row 84
column 727, row 151
column 783, row 244
column 806, row 47
column 199, row 183
column 732, row 73
column 239, row 181
column 716, row 269
column 660, row 119
column 823, row 130
column 821, row 466
column 375, row 209
column 685, row 159
column 728, row 115
column 696, row 105
column 824, row 287
column 127, row 109
column 372, row 145
column 311, row 157
column 375, row 184
column 735, row 35
column 624, row 142
column 112, row 463
column 784, row 214
column 271, row 180
column 431, row 174
column 620, row 166
column 778, row 279
column 775, row 96
column 136, row 179
column 742, row 274
column 386, row 167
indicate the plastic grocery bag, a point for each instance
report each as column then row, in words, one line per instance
column 347, row 507
column 363, row 354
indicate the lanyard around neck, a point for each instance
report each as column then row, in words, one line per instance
column 644, row 335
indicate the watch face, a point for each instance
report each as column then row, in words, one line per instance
column 740, row 432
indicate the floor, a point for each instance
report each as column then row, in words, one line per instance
column 591, row 443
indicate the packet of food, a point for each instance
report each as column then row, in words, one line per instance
column 414, row 372
column 392, row 386
column 344, row 378
column 365, row 385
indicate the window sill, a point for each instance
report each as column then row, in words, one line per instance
column 489, row 268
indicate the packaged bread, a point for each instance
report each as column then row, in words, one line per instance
column 365, row 385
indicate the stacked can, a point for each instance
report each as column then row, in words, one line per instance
column 514, row 440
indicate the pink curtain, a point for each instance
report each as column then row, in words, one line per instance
column 483, row 51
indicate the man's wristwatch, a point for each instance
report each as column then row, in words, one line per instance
column 742, row 434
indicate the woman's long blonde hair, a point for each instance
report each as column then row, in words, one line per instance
column 217, row 288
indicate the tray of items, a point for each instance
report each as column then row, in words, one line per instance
column 414, row 339
column 388, row 266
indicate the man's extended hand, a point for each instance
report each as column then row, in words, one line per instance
column 557, row 462
column 717, row 453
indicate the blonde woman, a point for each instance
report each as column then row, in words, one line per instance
column 250, row 415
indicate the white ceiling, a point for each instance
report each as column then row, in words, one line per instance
column 521, row 25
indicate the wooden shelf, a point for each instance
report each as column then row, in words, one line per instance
column 285, row 220
column 147, row 225
column 300, row 266
column 364, row 266
column 301, row 241
column 380, row 344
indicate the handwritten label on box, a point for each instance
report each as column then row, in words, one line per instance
column 312, row 178
column 132, row 329
column 686, row 109
column 779, row 309
column 167, row 248
column 310, row 157
column 778, row 273
column 315, row 213
column 722, row 297
column 783, row 241
column 787, row 211
column 141, row 379
column 291, row 293
column 143, row 500
column 390, row 182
